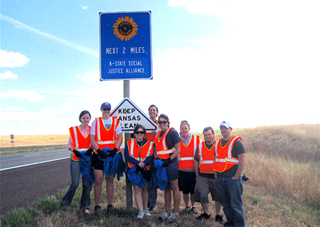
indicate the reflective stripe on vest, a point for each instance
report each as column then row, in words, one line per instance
column 205, row 158
column 164, row 152
column 106, row 139
column 223, row 163
column 186, row 156
column 132, row 144
column 79, row 142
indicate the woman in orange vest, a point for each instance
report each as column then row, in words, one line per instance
column 187, row 176
column 139, row 153
column 105, row 132
column 167, row 145
column 79, row 141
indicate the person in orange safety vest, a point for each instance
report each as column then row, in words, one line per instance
column 105, row 132
column 205, row 181
column 187, row 176
column 167, row 145
column 228, row 166
column 79, row 141
column 139, row 154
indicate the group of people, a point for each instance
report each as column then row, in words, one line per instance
column 162, row 159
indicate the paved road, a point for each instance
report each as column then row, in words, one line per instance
column 21, row 186
column 25, row 159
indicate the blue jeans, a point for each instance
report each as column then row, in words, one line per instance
column 75, row 179
column 230, row 195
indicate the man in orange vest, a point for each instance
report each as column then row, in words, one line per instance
column 228, row 165
column 205, row 178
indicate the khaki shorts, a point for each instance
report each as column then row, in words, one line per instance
column 203, row 187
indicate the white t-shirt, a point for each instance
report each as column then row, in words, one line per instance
column 107, row 124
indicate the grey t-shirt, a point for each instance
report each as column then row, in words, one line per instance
column 237, row 149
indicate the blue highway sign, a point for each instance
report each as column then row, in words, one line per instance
column 125, row 46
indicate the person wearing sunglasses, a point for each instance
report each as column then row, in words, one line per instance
column 139, row 154
column 79, row 142
column 167, row 145
column 187, row 176
column 105, row 132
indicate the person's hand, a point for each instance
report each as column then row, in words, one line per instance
column 89, row 152
column 101, row 154
column 166, row 162
column 142, row 165
column 113, row 151
column 77, row 153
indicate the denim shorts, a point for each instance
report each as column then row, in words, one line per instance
column 173, row 171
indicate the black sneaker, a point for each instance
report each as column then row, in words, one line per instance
column 97, row 210
column 151, row 209
column 203, row 216
column 110, row 207
column 219, row 219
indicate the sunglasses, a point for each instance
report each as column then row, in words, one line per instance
column 139, row 132
column 106, row 109
column 162, row 122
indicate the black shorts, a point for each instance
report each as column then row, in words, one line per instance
column 96, row 162
column 187, row 182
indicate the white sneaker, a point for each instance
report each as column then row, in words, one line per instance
column 164, row 216
column 141, row 214
column 174, row 216
column 146, row 212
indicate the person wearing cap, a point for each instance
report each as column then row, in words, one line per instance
column 205, row 178
column 187, row 176
column 167, row 145
column 153, row 192
column 79, row 142
column 105, row 132
column 228, row 167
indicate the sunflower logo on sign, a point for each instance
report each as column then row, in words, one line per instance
column 125, row 28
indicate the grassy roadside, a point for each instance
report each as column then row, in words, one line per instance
column 261, row 209
column 282, row 162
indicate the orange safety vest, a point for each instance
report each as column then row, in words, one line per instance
column 206, row 157
column 186, row 156
column 79, row 142
column 151, row 136
column 224, row 159
column 139, row 153
column 106, row 137
column 162, row 149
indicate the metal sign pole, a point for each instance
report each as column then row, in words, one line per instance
column 126, row 93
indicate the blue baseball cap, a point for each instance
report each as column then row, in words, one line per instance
column 105, row 105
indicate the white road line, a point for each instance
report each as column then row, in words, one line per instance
column 32, row 155
column 31, row 164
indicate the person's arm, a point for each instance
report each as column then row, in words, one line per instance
column 69, row 145
column 196, row 167
column 129, row 158
column 154, row 152
column 94, row 143
column 196, row 162
column 241, row 158
column 176, row 152
column 119, row 141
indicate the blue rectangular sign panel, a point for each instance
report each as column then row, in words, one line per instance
column 125, row 46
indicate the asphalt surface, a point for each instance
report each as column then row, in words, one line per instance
column 22, row 186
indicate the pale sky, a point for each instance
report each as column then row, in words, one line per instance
column 252, row 63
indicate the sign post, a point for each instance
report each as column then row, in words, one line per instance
column 125, row 53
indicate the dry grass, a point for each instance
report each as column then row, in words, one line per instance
column 282, row 163
column 30, row 140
